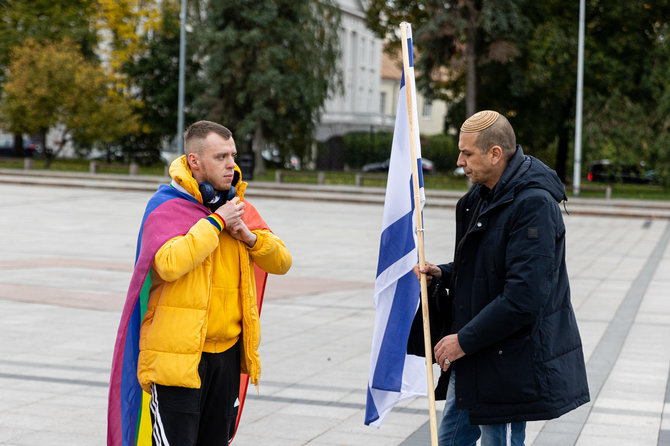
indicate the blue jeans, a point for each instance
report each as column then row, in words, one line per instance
column 456, row 430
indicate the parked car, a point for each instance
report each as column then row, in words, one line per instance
column 610, row 172
column 427, row 166
column 7, row 146
column 273, row 159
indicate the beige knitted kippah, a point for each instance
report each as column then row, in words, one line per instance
column 479, row 121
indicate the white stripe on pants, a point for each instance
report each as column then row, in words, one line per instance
column 158, row 431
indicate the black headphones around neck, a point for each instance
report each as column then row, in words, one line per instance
column 212, row 198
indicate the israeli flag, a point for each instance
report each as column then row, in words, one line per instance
column 394, row 375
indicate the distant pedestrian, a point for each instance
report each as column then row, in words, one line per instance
column 510, row 339
column 194, row 290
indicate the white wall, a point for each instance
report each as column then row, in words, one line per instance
column 358, row 107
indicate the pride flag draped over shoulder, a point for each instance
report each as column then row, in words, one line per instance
column 394, row 375
column 168, row 214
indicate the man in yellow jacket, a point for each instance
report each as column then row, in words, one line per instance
column 201, row 329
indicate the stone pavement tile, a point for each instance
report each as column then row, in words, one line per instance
column 591, row 333
column 396, row 423
column 602, row 304
column 612, row 434
column 588, row 439
column 257, row 409
column 330, row 411
column 627, row 418
column 288, row 427
column 354, row 439
column 532, row 429
column 52, row 438
column 326, row 394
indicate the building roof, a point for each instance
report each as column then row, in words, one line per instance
column 391, row 65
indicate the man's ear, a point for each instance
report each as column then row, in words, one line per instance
column 496, row 154
column 193, row 160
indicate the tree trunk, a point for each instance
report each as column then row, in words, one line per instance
column 562, row 154
column 18, row 145
column 258, row 144
column 51, row 155
column 48, row 153
column 471, row 61
column 563, row 146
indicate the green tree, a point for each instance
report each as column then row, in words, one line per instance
column 124, row 25
column 626, row 81
column 454, row 40
column 153, row 73
column 44, row 20
column 534, row 82
column 625, row 76
column 270, row 65
column 51, row 85
column 537, row 91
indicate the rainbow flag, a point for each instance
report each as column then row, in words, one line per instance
column 168, row 214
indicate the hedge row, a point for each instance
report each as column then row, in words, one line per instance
column 361, row 148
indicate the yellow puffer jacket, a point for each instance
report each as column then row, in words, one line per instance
column 192, row 275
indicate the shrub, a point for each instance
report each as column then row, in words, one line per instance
column 442, row 150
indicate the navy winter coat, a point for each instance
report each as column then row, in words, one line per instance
column 511, row 301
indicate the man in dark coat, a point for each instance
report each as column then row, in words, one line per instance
column 512, row 338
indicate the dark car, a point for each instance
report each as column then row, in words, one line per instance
column 607, row 171
column 7, row 146
column 426, row 165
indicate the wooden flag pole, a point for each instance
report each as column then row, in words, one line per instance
column 409, row 85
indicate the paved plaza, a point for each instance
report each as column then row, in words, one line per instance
column 66, row 260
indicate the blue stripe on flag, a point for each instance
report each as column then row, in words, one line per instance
column 371, row 413
column 411, row 53
column 391, row 358
column 133, row 399
column 397, row 241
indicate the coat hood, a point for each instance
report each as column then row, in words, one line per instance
column 181, row 173
column 525, row 172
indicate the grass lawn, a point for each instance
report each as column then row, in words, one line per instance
column 622, row 191
column 448, row 182
column 77, row 165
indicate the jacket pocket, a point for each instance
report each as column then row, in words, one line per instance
column 506, row 372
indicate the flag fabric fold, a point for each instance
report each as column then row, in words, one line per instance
column 394, row 375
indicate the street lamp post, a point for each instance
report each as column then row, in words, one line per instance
column 576, row 175
column 182, row 60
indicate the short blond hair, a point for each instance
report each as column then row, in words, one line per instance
column 195, row 134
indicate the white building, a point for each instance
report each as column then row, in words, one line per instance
column 371, row 84
column 431, row 113
column 358, row 107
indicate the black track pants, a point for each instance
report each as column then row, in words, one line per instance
column 199, row 417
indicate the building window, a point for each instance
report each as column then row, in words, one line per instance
column 427, row 109
column 382, row 103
